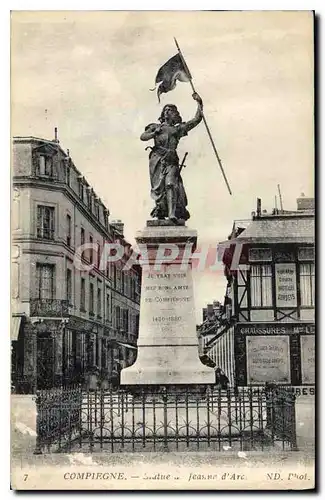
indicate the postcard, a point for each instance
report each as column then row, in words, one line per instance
column 162, row 263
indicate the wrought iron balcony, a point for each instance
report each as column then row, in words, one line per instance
column 54, row 308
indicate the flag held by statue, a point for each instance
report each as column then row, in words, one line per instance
column 174, row 69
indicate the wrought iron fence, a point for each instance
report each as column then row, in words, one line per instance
column 58, row 420
column 165, row 420
column 281, row 414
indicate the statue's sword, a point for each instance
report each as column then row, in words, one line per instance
column 182, row 165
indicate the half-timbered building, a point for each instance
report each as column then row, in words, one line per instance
column 269, row 265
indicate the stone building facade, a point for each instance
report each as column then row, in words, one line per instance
column 66, row 320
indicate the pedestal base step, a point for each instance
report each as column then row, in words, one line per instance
column 155, row 376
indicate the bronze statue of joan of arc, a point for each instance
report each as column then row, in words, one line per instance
column 167, row 189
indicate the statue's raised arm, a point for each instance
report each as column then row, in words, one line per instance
column 198, row 115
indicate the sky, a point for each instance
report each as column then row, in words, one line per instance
column 89, row 74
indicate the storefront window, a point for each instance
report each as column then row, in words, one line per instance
column 307, row 284
column 261, row 286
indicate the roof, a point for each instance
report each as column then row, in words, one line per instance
column 50, row 142
column 279, row 229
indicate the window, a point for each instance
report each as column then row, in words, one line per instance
column 125, row 320
column 122, row 278
column 130, row 285
column 98, row 255
column 67, row 170
column 307, row 284
column 106, row 218
column 91, row 298
column 69, row 286
column 82, row 236
column 118, row 279
column 133, row 287
column 91, row 250
column 117, row 317
column 136, row 324
column 126, row 284
column 137, row 288
column 68, row 230
column 88, row 198
column 260, row 254
column 306, row 253
column 81, row 189
column 99, row 302
column 122, row 319
column 45, row 166
column 261, row 286
column 284, row 255
column 97, row 210
column 114, row 275
column 45, row 222
column 108, row 308
column 45, row 281
column 82, row 294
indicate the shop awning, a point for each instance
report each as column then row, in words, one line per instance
column 15, row 327
column 129, row 346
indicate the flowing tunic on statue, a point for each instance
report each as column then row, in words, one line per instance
column 164, row 169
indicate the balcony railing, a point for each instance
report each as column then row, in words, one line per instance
column 49, row 308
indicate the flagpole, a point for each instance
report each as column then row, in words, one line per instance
column 205, row 122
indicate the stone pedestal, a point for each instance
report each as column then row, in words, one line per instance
column 167, row 343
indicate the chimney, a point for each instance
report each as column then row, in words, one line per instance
column 258, row 207
column 216, row 305
column 205, row 313
column 118, row 225
column 210, row 312
column 304, row 203
column 56, row 135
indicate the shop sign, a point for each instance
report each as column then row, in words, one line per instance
column 268, row 359
column 286, row 285
column 275, row 328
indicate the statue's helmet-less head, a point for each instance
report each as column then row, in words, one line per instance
column 170, row 112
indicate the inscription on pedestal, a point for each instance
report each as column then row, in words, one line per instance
column 167, row 303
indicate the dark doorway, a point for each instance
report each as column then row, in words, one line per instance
column 45, row 361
